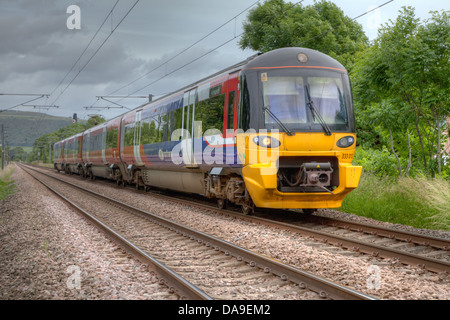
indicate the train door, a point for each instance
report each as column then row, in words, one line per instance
column 104, row 144
column 231, row 106
column 137, row 137
column 230, row 121
column 187, row 144
column 86, row 146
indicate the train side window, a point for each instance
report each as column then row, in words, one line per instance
column 111, row 138
column 94, row 142
column 152, row 129
column 160, row 128
column 129, row 135
column 230, row 110
column 88, row 143
column 188, row 119
column 210, row 113
column 170, row 125
column 166, row 126
column 178, row 121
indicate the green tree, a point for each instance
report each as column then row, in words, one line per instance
column 402, row 83
column 94, row 120
column 18, row 153
column 321, row 26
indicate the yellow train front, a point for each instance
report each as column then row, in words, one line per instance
column 297, row 131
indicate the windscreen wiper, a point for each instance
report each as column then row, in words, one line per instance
column 315, row 112
column 289, row 132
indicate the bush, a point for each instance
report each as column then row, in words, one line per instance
column 418, row 202
column 379, row 162
column 6, row 185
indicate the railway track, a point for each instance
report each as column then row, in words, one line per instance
column 430, row 253
column 194, row 264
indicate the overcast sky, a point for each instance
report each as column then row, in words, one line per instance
column 37, row 49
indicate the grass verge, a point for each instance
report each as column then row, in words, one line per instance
column 418, row 202
column 6, row 184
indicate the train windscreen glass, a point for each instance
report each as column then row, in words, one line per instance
column 285, row 94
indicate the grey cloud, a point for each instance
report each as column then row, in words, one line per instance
column 36, row 53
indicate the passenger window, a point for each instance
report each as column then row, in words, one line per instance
column 128, row 135
column 210, row 113
column 230, row 110
column 178, row 121
column 111, row 138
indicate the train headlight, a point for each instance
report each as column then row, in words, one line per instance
column 345, row 142
column 266, row 142
column 303, row 58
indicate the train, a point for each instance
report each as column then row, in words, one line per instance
column 274, row 131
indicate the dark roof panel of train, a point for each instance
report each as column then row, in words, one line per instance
column 288, row 57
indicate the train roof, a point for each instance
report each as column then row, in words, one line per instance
column 294, row 57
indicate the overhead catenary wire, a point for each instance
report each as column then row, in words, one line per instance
column 192, row 61
column 178, row 54
column 96, row 51
column 344, row 23
column 186, row 49
column 238, row 36
column 85, row 49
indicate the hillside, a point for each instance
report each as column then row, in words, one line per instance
column 22, row 128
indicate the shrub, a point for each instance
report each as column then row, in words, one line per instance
column 417, row 202
column 6, row 185
column 379, row 162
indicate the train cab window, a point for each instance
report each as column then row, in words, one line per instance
column 287, row 93
column 285, row 98
column 328, row 95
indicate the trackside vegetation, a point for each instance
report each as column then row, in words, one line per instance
column 414, row 199
column 6, row 184
column 419, row 202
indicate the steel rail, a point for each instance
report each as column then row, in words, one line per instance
column 305, row 280
column 385, row 232
column 430, row 264
column 174, row 281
